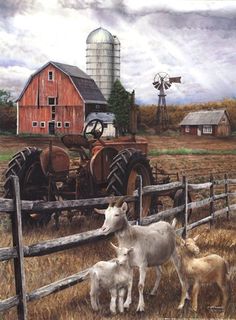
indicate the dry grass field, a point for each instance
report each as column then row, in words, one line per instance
column 74, row 303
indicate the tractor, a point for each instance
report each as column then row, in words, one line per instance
column 103, row 168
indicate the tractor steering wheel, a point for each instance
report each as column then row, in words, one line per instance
column 97, row 129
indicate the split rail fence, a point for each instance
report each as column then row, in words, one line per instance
column 19, row 251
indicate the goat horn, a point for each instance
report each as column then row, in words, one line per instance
column 120, row 201
column 115, row 247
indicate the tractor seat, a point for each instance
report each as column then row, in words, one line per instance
column 73, row 141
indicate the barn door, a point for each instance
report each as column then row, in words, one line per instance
column 51, row 127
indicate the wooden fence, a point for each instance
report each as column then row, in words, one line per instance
column 19, row 251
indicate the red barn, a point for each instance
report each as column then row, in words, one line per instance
column 213, row 122
column 56, row 99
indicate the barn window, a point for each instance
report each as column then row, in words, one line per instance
column 50, row 76
column 207, row 129
column 52, row 101
column 34, row 124
column 66, row 124
column 59, row 124
column 42, row 124
column 105, row 125
column 187, row 129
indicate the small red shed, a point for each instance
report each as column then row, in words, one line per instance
column 209, row 122
column 57, row 99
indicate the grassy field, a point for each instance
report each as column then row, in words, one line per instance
column 74, row 303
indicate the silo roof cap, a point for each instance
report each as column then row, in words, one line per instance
column 100, row 35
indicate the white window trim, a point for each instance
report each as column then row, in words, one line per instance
column 187, row 129
column 36, row 124
column 55, row 101
column 59, row 124
column 42, row 124
column 68, row 124
column 52, row 75
column 207, row 129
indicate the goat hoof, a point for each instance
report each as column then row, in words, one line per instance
column 140, row 309
column 126, row 305
column 180, row 307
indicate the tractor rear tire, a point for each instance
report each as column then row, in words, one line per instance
column 126, row 166
column 26, row 165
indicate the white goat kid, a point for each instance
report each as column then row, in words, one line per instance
column 152, row 245
column 114, row 275
column 209, row 269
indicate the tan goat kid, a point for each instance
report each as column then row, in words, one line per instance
column 208, row 269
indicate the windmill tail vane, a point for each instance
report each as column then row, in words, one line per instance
column 175, row 80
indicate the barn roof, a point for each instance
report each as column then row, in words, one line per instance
column 85, row 85
column 212, row 117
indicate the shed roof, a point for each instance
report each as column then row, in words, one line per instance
column 85, row 85
column 106, row 117
column 211, row 117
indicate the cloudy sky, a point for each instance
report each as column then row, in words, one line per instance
column 192, row 39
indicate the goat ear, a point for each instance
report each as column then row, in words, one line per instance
column 100, row 211
column 113, row 246
column 131, row 250
column 124, row 207
column 195, row 238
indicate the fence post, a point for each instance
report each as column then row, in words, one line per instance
column 140, row 200
column 18, row 243
column 227, row 195
column 185, row 182
column 212, row 195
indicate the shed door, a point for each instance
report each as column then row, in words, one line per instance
column 199, row 131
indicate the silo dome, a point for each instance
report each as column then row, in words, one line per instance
column 100, row 35
column 103, row 59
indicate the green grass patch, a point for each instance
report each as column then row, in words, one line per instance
column 187, row 151
column 5, row 156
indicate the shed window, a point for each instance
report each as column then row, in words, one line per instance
column 50, row 75
column 187, row 129
column 59, row 124
column 207, row 129
column 42, row 124
column 52, row 101
column 34, row 124
column 66, row 124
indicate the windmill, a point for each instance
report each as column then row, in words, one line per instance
column 163, row 82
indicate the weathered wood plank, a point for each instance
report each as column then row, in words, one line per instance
column 9, row 303
column 231, row 181
column 217, row 182
column 57, row 286
column 199, row 186
column 219, row 196
column 7, row 253
column 160, row 188
column 41, row 206
column 161, row 215
column 199, row 204
column 17, row 237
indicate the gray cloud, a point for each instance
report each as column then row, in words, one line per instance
column 9, row 8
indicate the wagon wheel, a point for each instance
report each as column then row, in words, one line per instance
column 33, row 183
column 122, row 180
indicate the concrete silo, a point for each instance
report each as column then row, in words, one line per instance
column 103, row 59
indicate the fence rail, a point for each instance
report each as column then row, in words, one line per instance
column 18, row 252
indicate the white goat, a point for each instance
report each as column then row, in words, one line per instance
column 114, row 275
column 209, row 269
column 152, row 245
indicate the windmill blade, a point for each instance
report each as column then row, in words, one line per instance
column 157, row 85
column 167, row 85
column 175, row 80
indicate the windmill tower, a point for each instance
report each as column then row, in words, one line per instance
column 162, row 82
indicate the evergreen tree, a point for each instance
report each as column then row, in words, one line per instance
column 5, row 98
column 119, row 104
